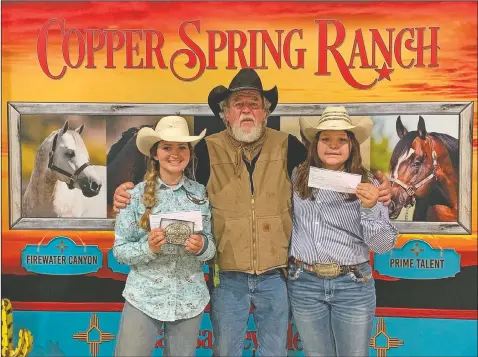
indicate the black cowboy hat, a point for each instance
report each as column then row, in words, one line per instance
column 245, row 79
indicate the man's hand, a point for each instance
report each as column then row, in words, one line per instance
column 121, row 197
column 194, row 243
column 385, row 189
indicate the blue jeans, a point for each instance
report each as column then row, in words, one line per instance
column 334, row 317
column 138, row 334
column 230, row 305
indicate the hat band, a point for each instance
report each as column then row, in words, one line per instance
column 237, row 89
column 168, row 132
column 335, row 116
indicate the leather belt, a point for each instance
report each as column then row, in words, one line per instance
column 327, row 270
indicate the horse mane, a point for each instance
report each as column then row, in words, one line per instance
column 125, row 137
column 118, row 146
column 451, row 145
column 405, row 143
column 124, row 162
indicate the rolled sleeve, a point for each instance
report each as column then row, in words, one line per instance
column 379, row 234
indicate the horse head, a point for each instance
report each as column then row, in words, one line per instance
column 412, row 166
column 69, row 161
column 125, row 163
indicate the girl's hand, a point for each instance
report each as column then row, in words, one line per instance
column 367, row 194
column 156, row 239
column 194, row 243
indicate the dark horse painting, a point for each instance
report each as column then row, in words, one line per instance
column 124, row 163
column 424, row 173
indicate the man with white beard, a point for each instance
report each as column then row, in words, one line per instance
column 246, row 170
column 249, row 189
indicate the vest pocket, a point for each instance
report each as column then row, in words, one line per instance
column 234, row 246
column 273, row 234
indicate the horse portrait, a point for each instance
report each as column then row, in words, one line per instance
column 63, row 183
column 124, row 163
column 424, row 174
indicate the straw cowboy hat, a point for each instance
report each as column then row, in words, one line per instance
column 245, row 79
column 171, row 128
column 337, row 118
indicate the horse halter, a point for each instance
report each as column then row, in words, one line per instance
column 73, row 177
column 411, row 189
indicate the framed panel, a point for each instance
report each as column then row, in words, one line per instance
column 18, row 111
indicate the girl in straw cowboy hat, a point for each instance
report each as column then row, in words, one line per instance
column 330, row 284
column 166, row 282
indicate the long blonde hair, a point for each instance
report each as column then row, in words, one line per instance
column 152, row 173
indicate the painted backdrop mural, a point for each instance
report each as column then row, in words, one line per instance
column 80, row 78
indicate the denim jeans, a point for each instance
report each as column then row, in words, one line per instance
column 334, row 317
column 138, row 334
column 230, row 306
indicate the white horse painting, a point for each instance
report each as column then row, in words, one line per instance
column 63, row 183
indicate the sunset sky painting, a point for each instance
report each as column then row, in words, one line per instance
column 293, row 40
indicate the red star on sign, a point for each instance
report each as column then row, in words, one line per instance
column 384, row 72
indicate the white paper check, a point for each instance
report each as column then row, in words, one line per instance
column 190, row 216
column 333, row 180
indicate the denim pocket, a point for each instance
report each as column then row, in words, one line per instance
column 362, row 275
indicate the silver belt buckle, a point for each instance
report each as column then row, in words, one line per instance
column 327, row 270
column 177, row 233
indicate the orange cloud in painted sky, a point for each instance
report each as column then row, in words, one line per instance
column 455, row 76
column 22, row 21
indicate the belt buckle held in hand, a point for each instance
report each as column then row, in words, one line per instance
column 327, row 270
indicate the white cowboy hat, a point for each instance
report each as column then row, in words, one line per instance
column 336, row 118
column 170, row 128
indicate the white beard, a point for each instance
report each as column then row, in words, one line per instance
column 247, row 137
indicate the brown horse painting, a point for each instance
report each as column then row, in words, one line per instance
column 424, row 173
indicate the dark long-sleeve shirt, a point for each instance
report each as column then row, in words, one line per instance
column 296, row 153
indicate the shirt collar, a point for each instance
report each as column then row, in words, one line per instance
column 180, row 184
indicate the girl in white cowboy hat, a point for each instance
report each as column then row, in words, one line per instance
column 330, row 283
column 166, row 282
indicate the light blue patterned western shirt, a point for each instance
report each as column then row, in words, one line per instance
column 170, row 285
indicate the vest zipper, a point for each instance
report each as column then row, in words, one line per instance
column 253, row 235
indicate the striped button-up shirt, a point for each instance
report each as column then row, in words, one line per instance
column 331, row 229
